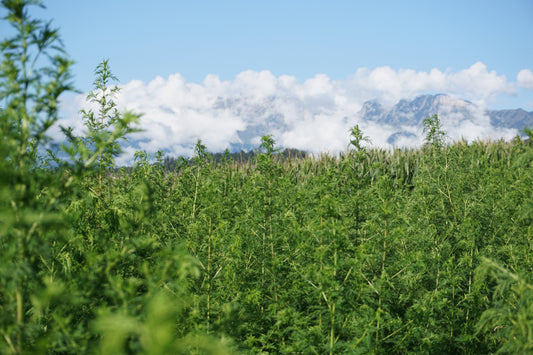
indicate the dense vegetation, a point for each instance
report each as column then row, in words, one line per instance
column 243, row 157
column 373, row 251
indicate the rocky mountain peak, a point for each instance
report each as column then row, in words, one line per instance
column 407, row 115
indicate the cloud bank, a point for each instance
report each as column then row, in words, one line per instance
column 313, row 115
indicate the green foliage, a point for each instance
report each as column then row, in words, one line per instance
column 105, row 127
column 108, row 115
column 434, row 133
column 357, row 138
column 529, row 132
column 80, row 246
column 242, row 157
column 405, row 251
column 510, row 319
column 34, row 72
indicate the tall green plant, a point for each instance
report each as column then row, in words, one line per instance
column 356, row 170
column 34, row 72
column 106, row 126
column 434, row 133
column 107, row 113
column 357, row 139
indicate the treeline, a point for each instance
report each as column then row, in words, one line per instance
column 243, row 157
column 373, row 251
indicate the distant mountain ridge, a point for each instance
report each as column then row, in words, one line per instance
column 413, row 112
column 407, row 115
column 404, row 120
column 517, row 119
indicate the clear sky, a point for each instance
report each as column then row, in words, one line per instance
column 480, row 50
column 144, row 39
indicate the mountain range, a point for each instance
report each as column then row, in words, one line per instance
column 407, row 115
column 413, row 112
column 403, row 121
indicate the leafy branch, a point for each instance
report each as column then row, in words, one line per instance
column 34, row 72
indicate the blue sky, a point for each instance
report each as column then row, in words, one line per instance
column 144, row 39
column 328, row 57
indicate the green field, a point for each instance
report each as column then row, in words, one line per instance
column 424, row 251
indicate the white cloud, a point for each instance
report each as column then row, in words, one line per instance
column 475, row 83
column 313, row 115
column 524, row 79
